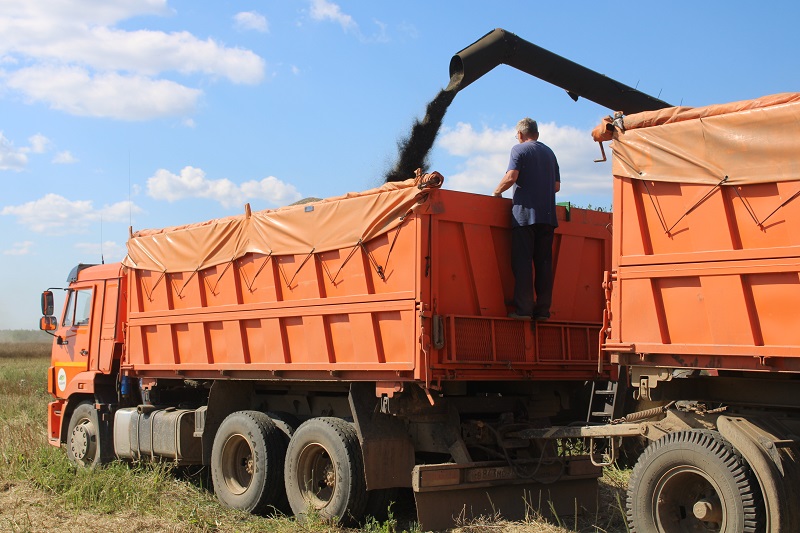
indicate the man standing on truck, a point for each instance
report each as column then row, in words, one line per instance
column 534, row 174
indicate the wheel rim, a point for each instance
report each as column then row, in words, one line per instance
column 238, row 465
column 83, row 441
column 687, row 499
column 316, row 475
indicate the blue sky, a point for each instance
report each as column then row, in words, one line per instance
column 150, row 113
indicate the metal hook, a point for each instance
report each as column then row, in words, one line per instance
column 603, row 153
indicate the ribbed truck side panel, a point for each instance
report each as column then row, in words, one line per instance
column 473, row 283
column 707, row 276
column 313, row 313
column 424, row 301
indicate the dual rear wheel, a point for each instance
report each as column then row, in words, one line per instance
column 319, row 472
column 324, row 471
column 247, row 460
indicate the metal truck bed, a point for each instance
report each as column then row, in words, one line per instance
column 417, row 293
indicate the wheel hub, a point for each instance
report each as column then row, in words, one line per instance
column 688, row 500
column 707, row 511
column 317, row 475
column 238, row 465
column 83, row 441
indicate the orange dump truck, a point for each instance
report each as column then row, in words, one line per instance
column 326, row 354
column 322, row 356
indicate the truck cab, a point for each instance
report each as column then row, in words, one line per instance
column 87, row 343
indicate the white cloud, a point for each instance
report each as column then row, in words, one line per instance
column 381, row 36
column 19, row 248
column 485, row 159
column 117, row 212
column 193, row 183
column 39, row 143
column 408, row 30
column 55, row 214
column 250, row 20
column 109, row 250
column 78, row 92
column 94, row 12
column 322, row 10
column 64, row 158
column 16, row 159
column 11, row 158
column 77, row 43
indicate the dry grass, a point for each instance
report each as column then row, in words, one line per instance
column 41, row 491
column 24, row 350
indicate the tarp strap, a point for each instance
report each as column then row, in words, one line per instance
column 249, row 283
column 180, row 292
column 752, row 213
column 375, row 265
column 289, row 282
column 658, row 211
column 328, row 272
column 695, row 206
column 381, row 270
column 149, row 293
column 214, row 290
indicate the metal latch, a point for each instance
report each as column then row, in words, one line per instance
column 438, row 332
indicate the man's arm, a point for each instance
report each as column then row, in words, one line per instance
column 508, row 180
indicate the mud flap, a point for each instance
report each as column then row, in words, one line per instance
column 767, row 445
column 450, row 494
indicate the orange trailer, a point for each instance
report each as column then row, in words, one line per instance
column 366, row 331
column 700, row 302
column 706, row 251
column 701, row 310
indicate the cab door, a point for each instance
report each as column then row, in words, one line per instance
column 73, row 344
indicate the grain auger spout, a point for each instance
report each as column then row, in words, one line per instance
column 503, row 47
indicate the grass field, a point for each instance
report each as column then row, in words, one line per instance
column 41, row 491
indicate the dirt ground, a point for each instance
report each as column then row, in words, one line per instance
column 24, row 508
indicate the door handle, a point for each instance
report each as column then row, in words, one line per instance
column 84, row 352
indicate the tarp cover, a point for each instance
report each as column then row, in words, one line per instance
column 329, row 224
column 752, row 141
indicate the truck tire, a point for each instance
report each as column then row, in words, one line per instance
column 247, row 462
column 324, row 471
column 85, row 437
column 692, row 480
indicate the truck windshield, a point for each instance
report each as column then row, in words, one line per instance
column 79, row 308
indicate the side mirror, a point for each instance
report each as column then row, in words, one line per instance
column 47, row 303
column 48, row 323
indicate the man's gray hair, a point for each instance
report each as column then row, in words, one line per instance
column 528, row 126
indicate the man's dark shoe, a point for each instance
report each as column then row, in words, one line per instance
column 518, row 317
column 541, row 318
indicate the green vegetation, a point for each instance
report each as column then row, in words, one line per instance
column 41, row 491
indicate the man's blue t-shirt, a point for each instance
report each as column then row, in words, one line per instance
column 534, row 193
